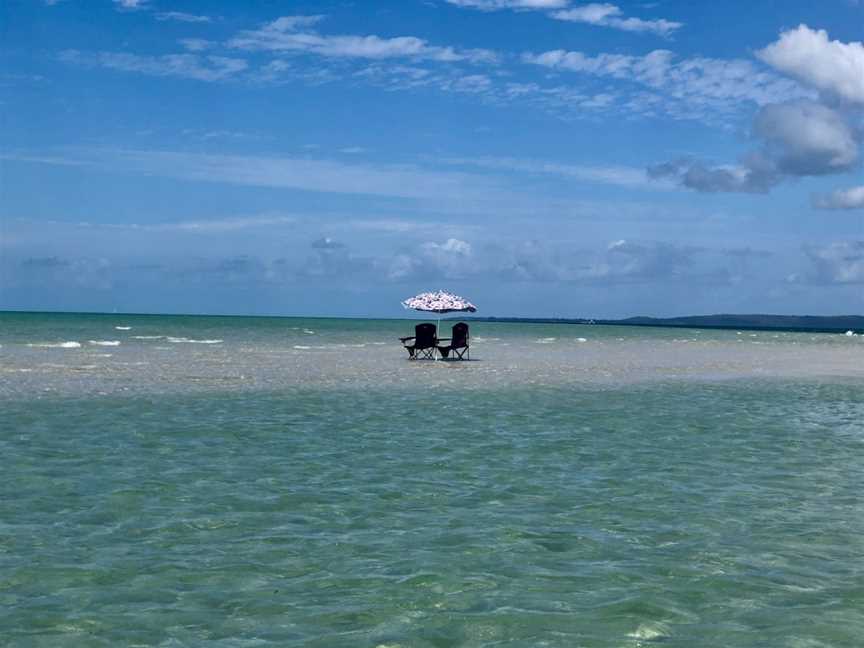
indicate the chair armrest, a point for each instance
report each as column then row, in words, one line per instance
column 405, row 339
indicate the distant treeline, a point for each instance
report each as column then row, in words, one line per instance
column 814, row 323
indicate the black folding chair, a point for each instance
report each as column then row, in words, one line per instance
column 422, row 344
column 457, row 343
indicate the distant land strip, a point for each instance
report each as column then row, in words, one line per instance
column 797, row 323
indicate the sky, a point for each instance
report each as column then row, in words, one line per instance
column 548, row 158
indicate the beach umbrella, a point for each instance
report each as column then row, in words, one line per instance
column 439, row 301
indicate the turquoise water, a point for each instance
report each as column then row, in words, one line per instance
column 637, row 488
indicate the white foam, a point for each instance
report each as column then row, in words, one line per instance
column 123, row 328
column 105, row 342
column 309, row 332
column 581, row 339
column 184, row 340
column 147, row 337
column 546, row 340
column 301, row 347
column 850, row 333
column 55, row 345
column 650, row 631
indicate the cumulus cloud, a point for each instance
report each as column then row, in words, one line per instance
column 840, row 263
column 609, row 15
column 830, row 66
column 452, row 259
column 806, row 138
column 798, row 138
column 801, row 138
column 620, row 262
column 627, row 260
column 294, row 34
column 851, row 198
column 756, row 175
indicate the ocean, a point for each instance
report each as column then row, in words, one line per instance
column 229, row 481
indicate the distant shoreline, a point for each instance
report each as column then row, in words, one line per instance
column 790, row 323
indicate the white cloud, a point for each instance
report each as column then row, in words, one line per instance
column 621, row 176
column 182, row 17
column 327, row 243
column 451, row 259
column 851, row 198
column 191, row 66
column 802, row 137
column 609, row 15
column 599, row 14
column 285, row 35
column 131, row 5
column 698, row 79
column 619, row 262
column 221, row 224
column 200, row 226
column 841, row 262
column 799, row 138
column 638, row 261
column 450, row 246
column 495, row 5
column 400, row 181
column 829, row 66
column 196, row 44
column 756, row 175
column 292, row 23
column 806, row 138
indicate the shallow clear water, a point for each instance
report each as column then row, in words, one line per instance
column 641, row 487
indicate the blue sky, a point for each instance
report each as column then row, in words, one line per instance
column 541, row 157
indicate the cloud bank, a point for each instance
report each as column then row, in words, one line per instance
column 799, row 138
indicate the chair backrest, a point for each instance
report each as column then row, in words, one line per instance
column 424, row 336
column 460, row 335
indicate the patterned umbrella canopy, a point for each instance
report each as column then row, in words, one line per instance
column 440, row 301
